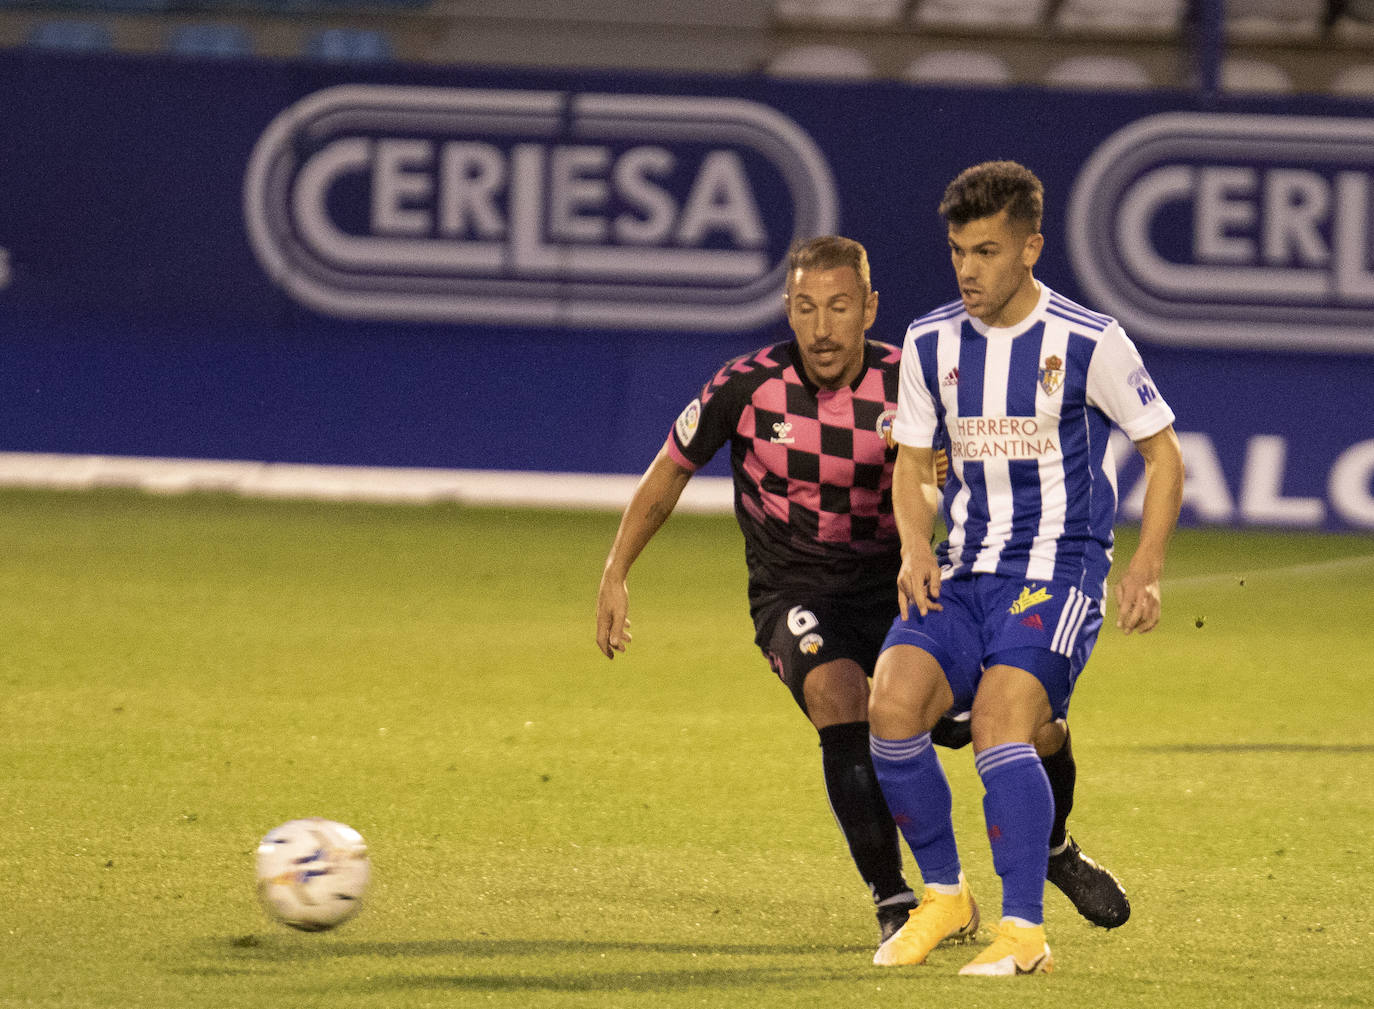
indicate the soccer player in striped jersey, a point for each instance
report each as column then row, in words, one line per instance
column 1023, row 386
column 807, row 422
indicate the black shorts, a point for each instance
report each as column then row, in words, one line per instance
column 800, row 629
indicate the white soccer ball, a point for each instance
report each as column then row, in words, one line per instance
column 312, row 873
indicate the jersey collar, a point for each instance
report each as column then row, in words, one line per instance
column 794, row 355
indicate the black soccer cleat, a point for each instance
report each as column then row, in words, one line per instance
column 1093, row 890
column 891, row 917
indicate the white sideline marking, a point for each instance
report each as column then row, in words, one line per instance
column 1315, row 568
column 704, row 494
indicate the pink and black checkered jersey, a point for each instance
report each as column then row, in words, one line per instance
column 812, row 467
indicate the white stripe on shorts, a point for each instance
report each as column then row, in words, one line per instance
column 1071, row 620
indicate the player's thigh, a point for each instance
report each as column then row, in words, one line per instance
column 929, row 664
column 1039, row 636
column 831, row 641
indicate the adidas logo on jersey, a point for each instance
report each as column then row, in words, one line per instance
column 952, row 378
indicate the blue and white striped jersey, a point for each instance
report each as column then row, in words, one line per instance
column 1025, row 412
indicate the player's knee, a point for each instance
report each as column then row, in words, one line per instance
column 995, row 723
column 835, row 693
column 909, row 694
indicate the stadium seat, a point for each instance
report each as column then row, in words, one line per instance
column 349, row 45
column 1257, row 19
column 868, row 11
column 221, row 41
column 821, row 61
column 381, row 6
column 1246, row 76
column 71, row 36
column 957, row 66
column 1099, row 73
column 100, row 7
column 1354, row 22
column 1354, row 81
column 1124, row 16
column 985, row 13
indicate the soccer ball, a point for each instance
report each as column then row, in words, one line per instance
column 312, row 873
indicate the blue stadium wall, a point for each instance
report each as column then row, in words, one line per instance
column 481, row 270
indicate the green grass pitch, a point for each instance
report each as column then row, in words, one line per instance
column 549, row 829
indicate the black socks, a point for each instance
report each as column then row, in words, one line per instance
column 857, row 802
column 1062, row 772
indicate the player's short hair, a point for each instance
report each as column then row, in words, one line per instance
column 829, row 252
column 987, row 189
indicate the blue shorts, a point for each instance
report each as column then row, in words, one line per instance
column 1046, row 628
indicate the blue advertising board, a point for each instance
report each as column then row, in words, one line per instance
column 518, row 270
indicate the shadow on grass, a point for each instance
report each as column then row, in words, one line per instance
column 745, row 977
column 251, row 948
column 506, row 962
column 1260, row 748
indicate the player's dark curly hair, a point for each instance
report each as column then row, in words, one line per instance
column 986, row 189
column 829, row 252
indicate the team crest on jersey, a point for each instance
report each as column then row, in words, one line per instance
column 884, row 427
column 811, row 644
column 1027, row 599
column 1052, row 375
column 687, row 422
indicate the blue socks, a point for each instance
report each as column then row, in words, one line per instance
column 918, row 795
column 1019, row 809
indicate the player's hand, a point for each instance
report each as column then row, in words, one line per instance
column 612, row 616
column 941, row 467
column 918, row 583
column 1138, row 602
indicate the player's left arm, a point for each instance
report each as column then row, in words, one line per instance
column 1137, row 593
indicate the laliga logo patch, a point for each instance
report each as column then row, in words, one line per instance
column 1231, row 230
column 687, row 422
column 540, row 208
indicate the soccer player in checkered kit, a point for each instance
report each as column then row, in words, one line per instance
column 1023, row 385
column 808, row 424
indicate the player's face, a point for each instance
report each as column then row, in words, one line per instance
column 992, row 259
column 829, row 312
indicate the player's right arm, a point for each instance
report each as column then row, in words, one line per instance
column 652, row 502
column 915, row 502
